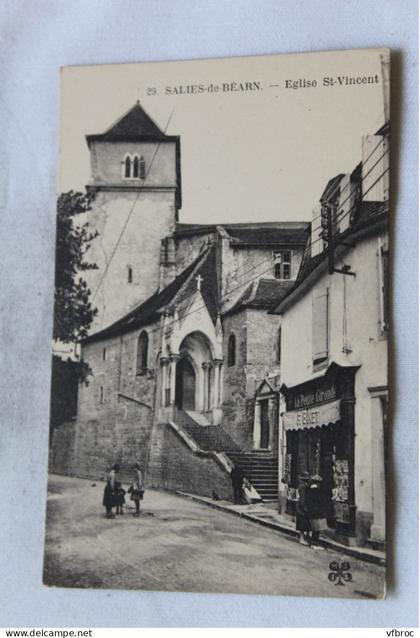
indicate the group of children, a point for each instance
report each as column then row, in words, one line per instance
column 114, row 493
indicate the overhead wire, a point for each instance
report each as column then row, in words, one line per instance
column 269, row 259
column 107, row 265
column 201, row 307
column 349, row 184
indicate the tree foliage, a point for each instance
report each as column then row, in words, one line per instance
column 73, row 310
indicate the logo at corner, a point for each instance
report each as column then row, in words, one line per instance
column 340, row 573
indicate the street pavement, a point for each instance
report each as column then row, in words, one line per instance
column 181, row 545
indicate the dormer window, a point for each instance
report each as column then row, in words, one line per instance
column 282, row 264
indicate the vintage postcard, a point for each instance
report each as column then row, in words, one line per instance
column 219, row 371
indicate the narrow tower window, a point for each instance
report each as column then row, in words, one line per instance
column 136, row 166
column 231, row 350
column 130, row 275
column 142, row 353
column 127, row 167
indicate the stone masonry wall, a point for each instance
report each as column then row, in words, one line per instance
column 115, row 410
column 188, row 248
column 147, row 217
column 61, row 457
column 174, row 466
column 235, row 404
column 241, row 265
column 262, row 336
column 256, row 334
column 89, row 448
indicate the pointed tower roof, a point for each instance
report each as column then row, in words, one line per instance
column 135, row 125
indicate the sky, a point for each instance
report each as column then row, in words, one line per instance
column 246, row 156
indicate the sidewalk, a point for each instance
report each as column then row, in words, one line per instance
column 262, row 514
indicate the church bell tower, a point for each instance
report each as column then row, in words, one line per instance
column 136, row 180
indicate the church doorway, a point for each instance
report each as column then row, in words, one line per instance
column 185, row 385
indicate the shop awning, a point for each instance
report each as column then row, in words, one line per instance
column 313, row 417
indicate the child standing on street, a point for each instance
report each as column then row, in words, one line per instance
column 136, row 489
column 119, row 497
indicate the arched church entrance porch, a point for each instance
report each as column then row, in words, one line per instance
column 192, row 379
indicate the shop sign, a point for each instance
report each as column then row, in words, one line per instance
column 305, row 400
column 312, row 417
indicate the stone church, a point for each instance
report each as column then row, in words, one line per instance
column 184, row 353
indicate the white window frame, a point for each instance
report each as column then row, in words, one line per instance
column 279, row 258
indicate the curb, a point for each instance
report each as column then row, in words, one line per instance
column 288, row 532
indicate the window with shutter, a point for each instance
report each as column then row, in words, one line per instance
column 320, row 326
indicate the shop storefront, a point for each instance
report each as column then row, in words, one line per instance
column 318, row 428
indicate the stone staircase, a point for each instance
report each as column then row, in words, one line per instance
column 261, row 468
column 207, row 436
column 198, row 417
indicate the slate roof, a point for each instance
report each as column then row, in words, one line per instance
column 182, row 230
column 262, row 293
column 254, row 234
column 134, row 125
column 148, row 311
column 278, row 233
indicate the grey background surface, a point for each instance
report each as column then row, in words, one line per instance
column 38, row 38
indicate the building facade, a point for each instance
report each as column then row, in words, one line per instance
column 334, row 367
